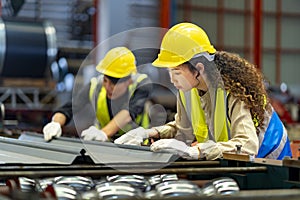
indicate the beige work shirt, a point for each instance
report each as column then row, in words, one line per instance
column 242, row 129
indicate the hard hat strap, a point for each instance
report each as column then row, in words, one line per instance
column 209, row 57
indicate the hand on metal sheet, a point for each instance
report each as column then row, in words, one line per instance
column 93, row 133
column 134, row 137
column 176, row 147
column 52, row 129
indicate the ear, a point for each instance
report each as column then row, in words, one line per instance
column 200, row 67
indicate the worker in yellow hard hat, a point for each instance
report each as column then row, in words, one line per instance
column 222, row 104
column 118, row 96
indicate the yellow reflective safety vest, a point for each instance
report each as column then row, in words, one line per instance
column 274, row 141
column 102, row 112
column 192, row 104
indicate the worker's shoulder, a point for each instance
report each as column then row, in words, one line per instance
column 140, row 77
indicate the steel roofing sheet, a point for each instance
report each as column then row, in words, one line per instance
column 102, row 152
column 14, row 151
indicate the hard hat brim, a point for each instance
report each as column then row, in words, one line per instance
column 107, row 71
column 164, row 64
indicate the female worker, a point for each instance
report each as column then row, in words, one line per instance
column 118, row 97
column 222, row 102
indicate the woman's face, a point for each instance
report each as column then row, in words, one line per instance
column 114, row 91
column 183, row 79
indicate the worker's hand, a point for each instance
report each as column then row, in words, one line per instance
column 52, row 129
column 176, row 147
column 92, row 133
column 135, row 136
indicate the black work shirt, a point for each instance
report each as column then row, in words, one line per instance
column 135, row 106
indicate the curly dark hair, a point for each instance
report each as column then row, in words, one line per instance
column 245, row 82
column 241, row 78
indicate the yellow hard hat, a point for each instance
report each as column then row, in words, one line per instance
column 181, row 43
column 119, row 62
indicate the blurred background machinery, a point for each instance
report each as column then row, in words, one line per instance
column 28, row 48
column 76, row 26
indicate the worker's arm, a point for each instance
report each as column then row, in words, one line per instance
column 64, row 113
column 180, row 129
column 59, row 118
column 242, row 131
column 53, row 128
column 117, row 123
column 130, row 110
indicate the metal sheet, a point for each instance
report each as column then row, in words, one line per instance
column 14, row 151
column 106, row 152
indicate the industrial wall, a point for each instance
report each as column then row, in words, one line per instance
column 232, row 27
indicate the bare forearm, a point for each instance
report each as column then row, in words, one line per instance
column 60, row 118
column 117, row 123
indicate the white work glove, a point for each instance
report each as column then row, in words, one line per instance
column 52, row 129
column 176, row 147
column 134, row 136
column 92, row 133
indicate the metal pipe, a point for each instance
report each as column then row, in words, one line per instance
column 97, row 172
column 111, row 166
column 187, row 10
column 257, row 47
column 220, row 25
column 2, row 115
column 165, row 13
column 278, row 42
column 247, row 28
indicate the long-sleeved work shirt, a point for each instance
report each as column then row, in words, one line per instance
column 135, row 104
column 242, row 129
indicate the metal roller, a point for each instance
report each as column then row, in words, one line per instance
column 27, row 48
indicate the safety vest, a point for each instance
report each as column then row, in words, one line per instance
column 102, row 112
column 274, row 142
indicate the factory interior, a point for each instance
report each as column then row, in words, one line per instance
column 49, row 50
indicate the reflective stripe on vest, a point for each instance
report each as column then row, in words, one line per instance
column 103, row 116
column 192, row 104
column 275, row 143
column 142, row 119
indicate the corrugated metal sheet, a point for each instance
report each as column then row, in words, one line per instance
column 14, row 151
column 99, row 152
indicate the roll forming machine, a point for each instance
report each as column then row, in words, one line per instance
column 68, row 168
